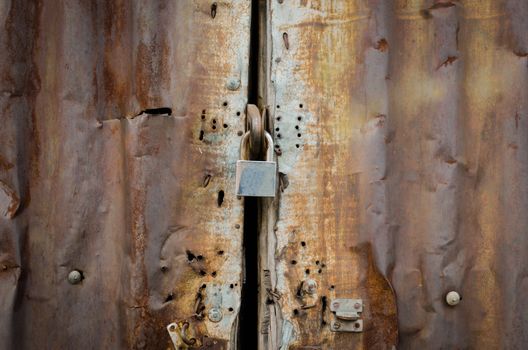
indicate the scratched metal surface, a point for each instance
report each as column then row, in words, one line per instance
column 89, row 182
column 402, row 132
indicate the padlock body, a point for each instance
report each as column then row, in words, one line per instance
column 256, row 178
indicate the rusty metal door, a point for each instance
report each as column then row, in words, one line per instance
column 401, row 138
column 401, row 132
column 121, row 121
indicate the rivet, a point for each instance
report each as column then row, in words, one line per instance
column 215, row 315
column 357, row 305
column 74, row 277
column 337, row 325
column 310, row 286
column 452, row 298
column 233, row 84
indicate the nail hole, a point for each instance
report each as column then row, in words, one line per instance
column 277, row 129
column 203, row 111
column 225, row 104
column 164, row 268
column 203, row 273
column 320, row 271
column 293, row 262
column 303, row 243
column 203, row 117
column 277, row 146
column 199, row 257
column 316, row 262
column 323, row 265
column 201, row 135
column 214, row 121
column 297, row 146
column 213, row 9
column 206, row 180
column 220, row 198
column 169, row 297
column 295, row 312
column 240, row 133
column 204, row 286
column 220, row 252
column 301, row 105
column 238, row 113
column 230, row 309
column 298, row 135
column 297, row 127
column 307, row 271
column 225, row 126
column 231, row 286
column 213, row 274
column 190, row 255
column 278, row 136
column 237, row 226
column 214, row 127
column 278, row 106
column 299, row 118
column 286, row 41
column 279, row 118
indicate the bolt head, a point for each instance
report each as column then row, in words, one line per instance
column 233, row 84
column 452, row 298
column 74, row 277
column 215, row 315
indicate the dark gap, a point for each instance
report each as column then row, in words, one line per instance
column 220, row 198
column 201, row 135
column 169, row 297
column 323, row 309
column 158, row 111
column 248, row 314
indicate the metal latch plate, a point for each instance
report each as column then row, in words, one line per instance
column 346, row 315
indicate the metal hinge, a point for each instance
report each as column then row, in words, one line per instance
column 347, row 315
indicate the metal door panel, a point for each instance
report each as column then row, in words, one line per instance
column 401, row 130
column 141, row 201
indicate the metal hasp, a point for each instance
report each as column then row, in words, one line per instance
column 347, row 318
column 256, row 178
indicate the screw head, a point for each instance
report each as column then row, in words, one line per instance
column 336, row 325
column 357, row 306
column 215, row 315
column 233, row 84
column 75, row 277
column 452, row 298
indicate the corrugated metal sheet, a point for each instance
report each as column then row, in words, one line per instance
column 402, row 128
column 402, row 134
column 141, row 202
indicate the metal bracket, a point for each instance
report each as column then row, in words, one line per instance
column 347, row 315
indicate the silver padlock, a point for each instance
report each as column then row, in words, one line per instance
column 255, row 178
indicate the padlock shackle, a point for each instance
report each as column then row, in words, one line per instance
column 269, row 150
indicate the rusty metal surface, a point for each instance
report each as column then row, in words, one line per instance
column 402, row 131
column 97, row 174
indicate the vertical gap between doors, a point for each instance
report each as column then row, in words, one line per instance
column 248, row 316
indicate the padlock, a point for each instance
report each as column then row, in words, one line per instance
column 255, row 178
